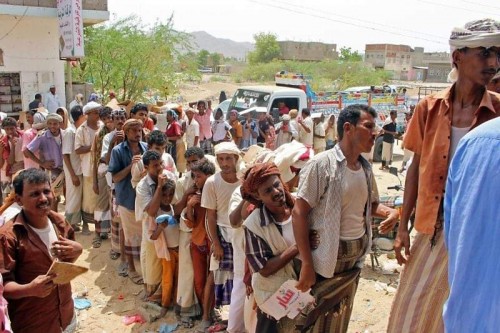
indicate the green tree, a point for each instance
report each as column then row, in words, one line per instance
column 202, row 57
column 347, row 54
column 215, row 59
column 266, row 48
column 131, row 59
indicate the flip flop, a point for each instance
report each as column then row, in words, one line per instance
column 219, row 327
column 96, row 242
column 203, row 326
column 136, row 278
column 123, row 269
column 113, row 255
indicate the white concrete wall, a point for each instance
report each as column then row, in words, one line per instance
column 32, row 46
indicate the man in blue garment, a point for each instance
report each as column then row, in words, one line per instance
column 472, row 230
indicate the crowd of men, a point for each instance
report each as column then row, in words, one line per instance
column 224, row 213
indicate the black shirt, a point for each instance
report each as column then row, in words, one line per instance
column 263, row 126
column 391, row 127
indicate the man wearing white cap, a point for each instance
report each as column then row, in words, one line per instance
column 192, row 129
column 215, row 198
column 286, row 132
column 52, row 101
column 49, row 147
column 439, row 122
column 84, row 138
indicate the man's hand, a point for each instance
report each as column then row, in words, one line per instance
column 136, row 158
column 41, row 286
column 388, row 224
column 13, row 140
column 218, row 252
column 48, row 165
column 76, row 181
column 314, row 239
column 307, row 277
column 402, row 241
column 162, row 180
column 194, row 200
column 118, row 138
column 65, row 249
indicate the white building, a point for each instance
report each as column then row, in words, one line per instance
column 29, row 49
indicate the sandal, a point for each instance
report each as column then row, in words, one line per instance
column 113, row 255
column 136, row 278
column 96, row 242
column 123, row 269
column 187, row 322
column 219, row 327
column 203, row 326
column 104, row 235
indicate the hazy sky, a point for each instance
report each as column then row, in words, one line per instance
column 351, row 23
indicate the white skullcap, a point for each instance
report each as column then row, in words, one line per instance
column 226, row 148
column 54, row 116
column 316, row 115
column 91, row 106
column 286, row 117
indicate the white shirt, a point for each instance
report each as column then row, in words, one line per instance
column 192, row 131
column 304, row 137
column 85, row 137
column 68, row 148
column 52, row 102
column 354, row 196
column 219, row 129
column 47, row 235
column 216, row 195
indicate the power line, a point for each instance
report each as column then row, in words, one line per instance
column 364, row 21
column 15, row 25
column 480, row 4
column 454, row 7
column 345, row 22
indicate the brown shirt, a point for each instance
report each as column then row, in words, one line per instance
column 23, row 257
column 429, row 135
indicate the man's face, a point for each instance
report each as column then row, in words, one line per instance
column 281, row 105
column 233, row 117
column 494, row 85
column 36, row 198
column 119, row 120
column 199, row 179
column 218, row 114
column 262, row 116
column 53, row 126
column 227, row 163
column 10, row 131
column 108, row 122
column 134, row 133
column 363, row 134
column 271, row 192
column 190, row 115
column 29, row 118
column 167, row 196
column 160, row 149
column 478, row 64
column 142, row 115
column 192, row 159
column 154, row 168
column 201, row 108
column 394, row 116
column 93, row 116
column 53, row 91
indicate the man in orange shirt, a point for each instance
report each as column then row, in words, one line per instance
column 237, row 128
column 439, row 122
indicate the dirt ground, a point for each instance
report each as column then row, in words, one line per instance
column 113, row 296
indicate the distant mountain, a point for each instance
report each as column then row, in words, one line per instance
column 229, row 48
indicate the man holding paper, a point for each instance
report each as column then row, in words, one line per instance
column 30, row 242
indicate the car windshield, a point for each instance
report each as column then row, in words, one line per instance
column 244, row 99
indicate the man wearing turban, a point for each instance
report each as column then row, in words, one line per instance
column 439, row 122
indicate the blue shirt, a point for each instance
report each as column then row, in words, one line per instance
column 472, row 232
column 50, row 149
column 121, row 157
